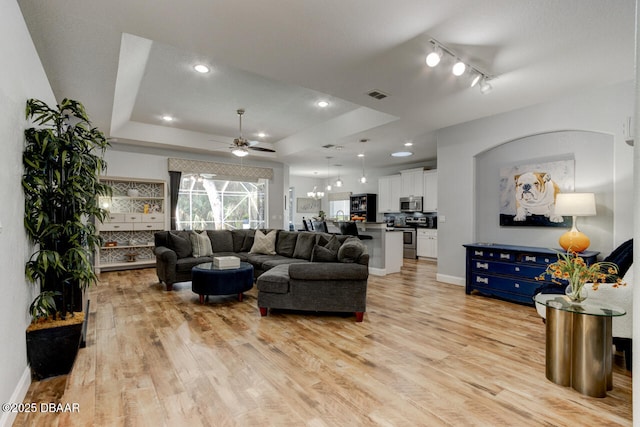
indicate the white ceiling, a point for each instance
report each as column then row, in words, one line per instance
column 130, row 62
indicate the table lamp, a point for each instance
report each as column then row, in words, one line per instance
column 575, row 205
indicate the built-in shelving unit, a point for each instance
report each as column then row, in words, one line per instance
column 137, row 209
column 363, row 206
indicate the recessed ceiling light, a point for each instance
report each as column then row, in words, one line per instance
column 360, row 154
column 402, row 154
column 408, row 144
column 322, row 104
column 261, row 135
column 167, row 118
column 201, row 68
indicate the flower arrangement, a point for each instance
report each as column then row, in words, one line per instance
column 571, row 268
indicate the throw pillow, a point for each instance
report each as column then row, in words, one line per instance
column 264, row 244
column 333, row 244
column 351, row 250
column 181, row 245
column 201, row 244
column 323, row 254
column 304, row 245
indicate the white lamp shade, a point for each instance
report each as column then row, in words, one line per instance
column 575, row 204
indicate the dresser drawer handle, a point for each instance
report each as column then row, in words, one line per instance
column 483, row 265
column 484, row 280
column 530, row 258
column 517, row 268
column 479, row 253
column 504, row 256
column 516, row 285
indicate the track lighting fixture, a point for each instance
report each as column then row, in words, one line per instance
column 460, row 67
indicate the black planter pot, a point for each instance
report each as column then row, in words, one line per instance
column 52, row 351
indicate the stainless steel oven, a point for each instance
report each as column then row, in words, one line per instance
column 409, row 242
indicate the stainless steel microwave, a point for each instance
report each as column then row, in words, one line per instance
column 411, row 204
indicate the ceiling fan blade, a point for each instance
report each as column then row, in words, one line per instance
column 267, row 150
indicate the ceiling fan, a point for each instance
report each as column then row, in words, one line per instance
column 241, row 146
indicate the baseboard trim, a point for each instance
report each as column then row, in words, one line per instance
column 453, row 280
column 7, row 418
column 377, row 271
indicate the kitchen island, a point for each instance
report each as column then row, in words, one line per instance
column 384, row 247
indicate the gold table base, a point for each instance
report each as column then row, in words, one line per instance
column 578, row 351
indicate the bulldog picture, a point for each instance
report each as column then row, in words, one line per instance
column 536, row 195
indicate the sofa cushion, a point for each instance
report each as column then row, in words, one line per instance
column 200, row 244
column 286, row 243
column 304, row 245
column 323, row 254
column 181, row 244
column 247, row 244
column 351, row 250
column 264, row 243
column 238, row 237
column 322, row 271
column 275, row 280
column 280, row 260
column 221, row 240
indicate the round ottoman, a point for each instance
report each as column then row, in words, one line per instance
column 209, row 280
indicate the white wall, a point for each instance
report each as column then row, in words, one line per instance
column 21, row 77
column 149, row 163
column 602, row 110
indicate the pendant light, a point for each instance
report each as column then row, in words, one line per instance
column 328, row 174
column 363, row 178
column 338, row 181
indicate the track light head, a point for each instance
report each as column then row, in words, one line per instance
column 459, row 68
column 485, row 86
column 434, row 57
column 476, row 79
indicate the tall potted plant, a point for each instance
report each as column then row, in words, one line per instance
column 62, row 160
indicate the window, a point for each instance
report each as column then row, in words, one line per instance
column 339, row 209
column 205, row 203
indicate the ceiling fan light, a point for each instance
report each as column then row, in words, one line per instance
column 240, row 151
column 459, row 68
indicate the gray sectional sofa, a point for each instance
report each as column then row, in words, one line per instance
column 308, row 271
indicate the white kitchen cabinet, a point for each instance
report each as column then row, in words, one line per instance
column 430, row 191
column 427, row 243
column 389, row 194
column 134, row 217
column 412, row 182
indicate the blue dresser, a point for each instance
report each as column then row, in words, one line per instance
column 509, row 272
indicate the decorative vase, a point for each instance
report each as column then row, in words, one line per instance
column 576, row 295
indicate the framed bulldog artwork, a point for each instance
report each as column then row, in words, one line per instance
column 528, row 192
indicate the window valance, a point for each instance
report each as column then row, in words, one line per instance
column 221, row 170
column 344, row 195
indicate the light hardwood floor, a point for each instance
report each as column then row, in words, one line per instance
column 425, row 355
